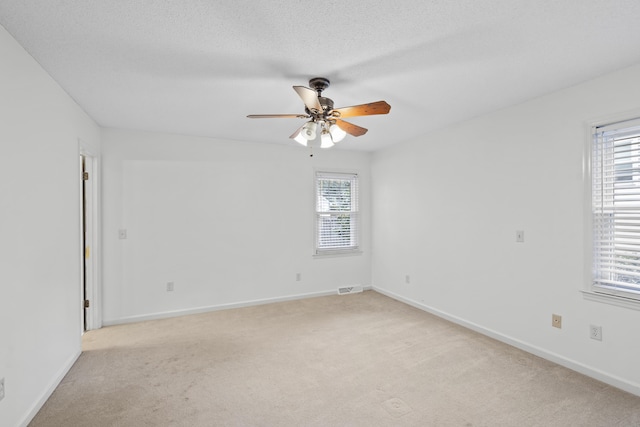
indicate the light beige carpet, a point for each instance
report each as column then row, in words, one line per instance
column 355, row 360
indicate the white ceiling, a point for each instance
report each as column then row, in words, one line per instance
column 199, row 67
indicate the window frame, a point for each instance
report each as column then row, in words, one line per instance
column 355, row 211
column 591, row 290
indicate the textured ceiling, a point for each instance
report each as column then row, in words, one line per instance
column 199, row 67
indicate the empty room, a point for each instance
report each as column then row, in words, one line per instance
column 292, row 213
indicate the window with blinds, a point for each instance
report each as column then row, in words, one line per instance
column 337, row 216
column 615, row 168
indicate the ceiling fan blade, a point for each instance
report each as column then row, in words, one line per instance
column 293, row 135
column 380, row 107
column 309, row 97
column 278, row 116
column 350, row 128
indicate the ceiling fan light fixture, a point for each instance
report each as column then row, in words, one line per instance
column 326, row 126
column 308, row 131
column 337, row 134
column 325, row 139
column 300, row 139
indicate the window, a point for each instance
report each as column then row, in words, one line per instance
column 615, row 193
column 337, row 216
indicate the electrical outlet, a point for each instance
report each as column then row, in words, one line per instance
column 298, row 277
column 1, row 388
column 407, row 279
column 556, row 321
column 520, row 236
column 169, row 286
column 595, row 332
column 122, row 234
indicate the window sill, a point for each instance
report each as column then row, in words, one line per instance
column 336, row 254
column 612, row 299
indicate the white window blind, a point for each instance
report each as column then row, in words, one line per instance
column 615, row 165
column 337, row 215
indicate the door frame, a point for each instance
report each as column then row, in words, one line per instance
column 90, row 267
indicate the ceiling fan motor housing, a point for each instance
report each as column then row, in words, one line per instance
column 327, row 108
column 327, row 103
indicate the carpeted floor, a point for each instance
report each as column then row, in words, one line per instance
column 355, row 360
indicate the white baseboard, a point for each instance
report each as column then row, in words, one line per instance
column 49, row 391
column 198, row 310
column 599, row 375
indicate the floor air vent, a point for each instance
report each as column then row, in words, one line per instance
column 349, row 290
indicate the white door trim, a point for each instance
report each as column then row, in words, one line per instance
column 93, row 227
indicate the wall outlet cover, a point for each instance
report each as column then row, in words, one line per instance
column 556, row 321
column 595, row 332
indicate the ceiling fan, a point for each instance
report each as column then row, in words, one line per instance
column 325, row 120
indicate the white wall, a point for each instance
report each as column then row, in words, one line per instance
column 228, row 222
column 447, row 207
column 40, row 327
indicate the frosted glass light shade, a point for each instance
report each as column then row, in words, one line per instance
column 309, row 130
column 336, row 133
column 325, row 140
column 300, row 139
